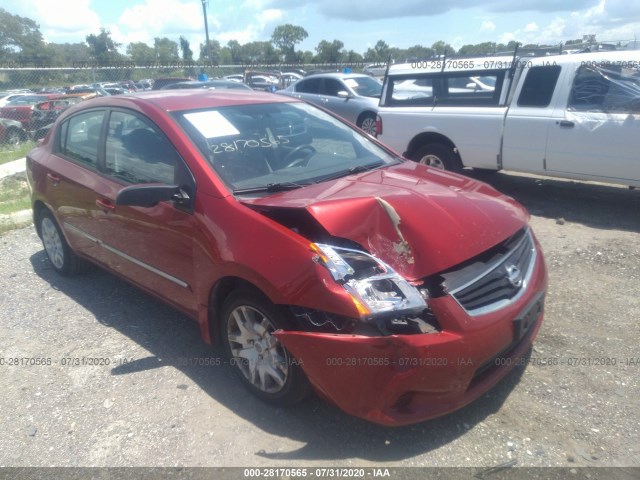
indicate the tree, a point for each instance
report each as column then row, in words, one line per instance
column 20, row 39
column 166, row 50
column 379, row 52
column 187, row 53
column 352, row 57
column 210, row 53
column 141, row 53
column 286, row 37
column 417, row 52
column 329, row 52
column 442, row 48
column 102, row 47
column 235, row 49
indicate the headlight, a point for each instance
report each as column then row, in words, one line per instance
column 372, row 284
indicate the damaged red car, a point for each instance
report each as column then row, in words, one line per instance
column 314, row 255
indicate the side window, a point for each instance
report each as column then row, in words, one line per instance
column 609, row 88
column 312, row 85
column 410, row 91
column 538, row 87
column 331, row 87
column 137, row 152
column 466, row 89
column 80, row 137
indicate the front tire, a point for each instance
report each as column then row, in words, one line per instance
column 437, row 155
column 62, row 257
column 261, row 362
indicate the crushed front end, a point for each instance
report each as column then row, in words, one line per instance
column 420, row 349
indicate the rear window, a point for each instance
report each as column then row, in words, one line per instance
column 450, row 88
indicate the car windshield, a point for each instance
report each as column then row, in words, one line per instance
column 365, row 86
column 276, row 146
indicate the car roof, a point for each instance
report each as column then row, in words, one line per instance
column 188, row 99
column 205, row 84
column 341, row 75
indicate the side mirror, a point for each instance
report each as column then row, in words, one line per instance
column 344, row 94
column 150, row 195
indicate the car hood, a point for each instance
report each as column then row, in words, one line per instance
column 419, row 220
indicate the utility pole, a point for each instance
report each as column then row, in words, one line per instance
column 206, row 28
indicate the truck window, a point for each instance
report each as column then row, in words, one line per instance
column 410, row 91
column 538, row 87
column 606, row 88
column 470, row 88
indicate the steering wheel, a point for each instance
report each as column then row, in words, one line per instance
column 298, row 149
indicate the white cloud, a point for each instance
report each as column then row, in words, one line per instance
column 487, row 26
column 531, row 27
column 61, row 19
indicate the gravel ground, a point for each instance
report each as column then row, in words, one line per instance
column 575, row 404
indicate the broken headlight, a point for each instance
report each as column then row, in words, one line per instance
column 374, row 287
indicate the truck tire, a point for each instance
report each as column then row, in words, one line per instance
column 437, row 155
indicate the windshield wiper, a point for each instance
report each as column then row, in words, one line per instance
column 352, row 170
column 271, row 187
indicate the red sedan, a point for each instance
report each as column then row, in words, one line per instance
column 317, row 257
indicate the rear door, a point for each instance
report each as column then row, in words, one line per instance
column 72, row 180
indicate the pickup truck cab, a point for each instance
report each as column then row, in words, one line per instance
column 574, row 116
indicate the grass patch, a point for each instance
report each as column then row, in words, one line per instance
column 14, row 194
column 9, row 154
column 14, row 197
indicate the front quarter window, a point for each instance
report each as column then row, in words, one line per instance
column 254, row 147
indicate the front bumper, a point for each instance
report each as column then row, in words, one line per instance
column 403, row 379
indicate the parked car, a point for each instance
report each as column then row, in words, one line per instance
column 352, row 96
column 22, row 108
column 567, row 116
column 264, row 81
column 44, row 114
column 159, row 83
column 11, row 132
column 210, row 84
column 6, row 97
column 375, row 69
column 236, row 77
column 312, row 253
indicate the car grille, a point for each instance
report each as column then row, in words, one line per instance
column 493, row 282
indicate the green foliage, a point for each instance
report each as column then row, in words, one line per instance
column 286, row 37
column 329, row 52
column 20, row 39
column 141, row 53
column 102, row 48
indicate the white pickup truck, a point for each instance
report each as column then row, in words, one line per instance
column 574, row 116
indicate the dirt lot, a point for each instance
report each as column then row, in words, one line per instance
column 576, row 404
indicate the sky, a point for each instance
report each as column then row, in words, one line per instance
column 359, row 25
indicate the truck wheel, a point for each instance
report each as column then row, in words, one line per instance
column 262, row 363
column 438, row 156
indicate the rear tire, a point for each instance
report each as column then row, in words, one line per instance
column 13, row 137
column 367, row 124
column 437, row 155
column 62, row 257
column 261, row 362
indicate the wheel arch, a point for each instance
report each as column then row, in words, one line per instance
column 218, row 294
column 366, row 113
column 38, row 208
column 428, row 138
